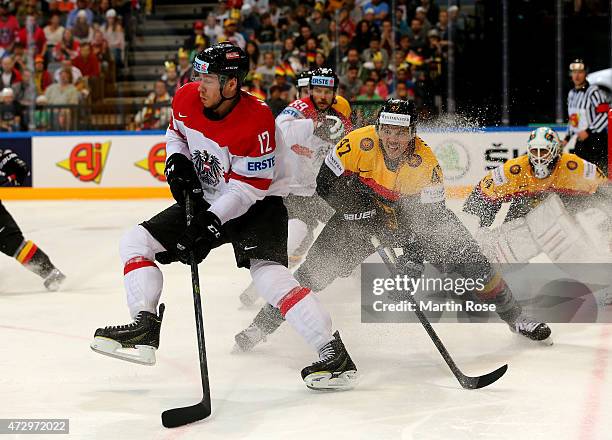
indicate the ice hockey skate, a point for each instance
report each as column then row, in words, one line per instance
column 54, row 280
column 248, row 338
column 120, row 341
column 265, row 323
column 531, row 328
column 334, row 371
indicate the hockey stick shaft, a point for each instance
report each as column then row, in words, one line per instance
column 173, row 418
column 390, row 259
column 197, row 305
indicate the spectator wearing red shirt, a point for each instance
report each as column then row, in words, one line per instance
column 346, row 24
column 9, row 76
column 39, row 40
column 8, row 28
column 87, row 62
column 67, row 48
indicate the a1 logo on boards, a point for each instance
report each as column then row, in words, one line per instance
column 155, row 162
column 87, row 161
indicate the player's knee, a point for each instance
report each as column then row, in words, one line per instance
column 136, row 242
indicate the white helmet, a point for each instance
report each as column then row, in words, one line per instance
column 543, row 149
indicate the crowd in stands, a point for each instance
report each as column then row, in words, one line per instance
column 70, row 52
column 57, row 53
column 373, row 59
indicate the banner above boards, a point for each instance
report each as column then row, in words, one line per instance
column 113, row 162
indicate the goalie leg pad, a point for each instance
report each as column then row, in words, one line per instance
column 557, row 233
column 509, row 243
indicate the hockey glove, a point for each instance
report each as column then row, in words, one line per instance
column 12, row 168
column 359, row 206
column 182, row 177
column 329, row 129
column 409, row 266
column 200, row 237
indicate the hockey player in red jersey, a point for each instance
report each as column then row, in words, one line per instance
column 310, row 127
column 221, row 148
column 13, row 171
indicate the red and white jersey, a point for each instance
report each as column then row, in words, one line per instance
column 235, row 157
column 305, row 151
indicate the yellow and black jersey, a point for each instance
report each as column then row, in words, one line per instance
column 360, row 154
column 342, row 106
column 515, row 182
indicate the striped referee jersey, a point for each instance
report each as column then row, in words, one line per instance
column 587, row 110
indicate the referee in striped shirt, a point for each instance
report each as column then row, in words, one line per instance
column 587, row 110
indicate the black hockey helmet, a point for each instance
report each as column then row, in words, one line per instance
column 303, row 79
column 223, row 59
column 396, row 127
column 398, row 112
column 324, row 77
column 578, row 64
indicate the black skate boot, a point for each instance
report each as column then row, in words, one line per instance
column 265, row 323
column 530, row 328
column 54, row 280
column 142, row 335
column 334, row 371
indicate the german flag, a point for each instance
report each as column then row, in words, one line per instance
column 26, row 252
column 288, row 69
column 414, row 59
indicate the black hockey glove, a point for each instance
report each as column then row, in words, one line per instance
column 413, row 268
column 200, row 237
column 12, row 168
column 182, row 177
column 360, row 206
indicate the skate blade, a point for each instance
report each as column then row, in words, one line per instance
column 108, row 347
column 55, row 284
column 546, row 342
column 326, row 381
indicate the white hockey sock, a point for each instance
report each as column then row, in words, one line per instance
column 303, row 311
column 298, row 304
column 142, row 278
column 143, row 283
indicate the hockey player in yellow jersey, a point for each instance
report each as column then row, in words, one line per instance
column 527, row 179
column 383, row 180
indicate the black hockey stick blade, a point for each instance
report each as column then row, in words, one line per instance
column 473, row 383
column 176, row 417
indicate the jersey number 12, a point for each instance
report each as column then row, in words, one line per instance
column 264, row 142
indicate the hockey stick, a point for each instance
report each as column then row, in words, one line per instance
column 469, row 382
column 175, row 417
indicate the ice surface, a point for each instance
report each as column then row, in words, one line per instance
column 406, row 391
